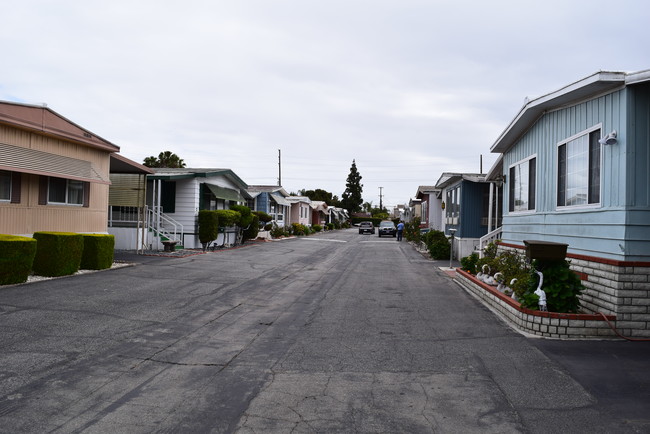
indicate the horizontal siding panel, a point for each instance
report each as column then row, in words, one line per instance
column 19, row 220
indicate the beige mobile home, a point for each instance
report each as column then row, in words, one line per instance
column 54, row 175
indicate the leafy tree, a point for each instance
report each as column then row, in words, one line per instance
column 320, row 194
column 165, row 159
column 351, row 197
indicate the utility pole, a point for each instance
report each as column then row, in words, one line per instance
column 381, row 206
column 279, row 168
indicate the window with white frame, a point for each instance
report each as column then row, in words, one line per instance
column 425, row 211
column 578, row 170
column 522, row 180
column 65, row 191
column 452, row 207
column 5, row 185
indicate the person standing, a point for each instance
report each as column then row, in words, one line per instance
column 400, row 231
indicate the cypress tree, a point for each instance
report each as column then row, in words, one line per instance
column 351, row 198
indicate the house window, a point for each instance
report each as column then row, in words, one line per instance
column 65, row 191
column 522, row 181
column 425, row 212
column 578, row 174
column 452, row 207
column 5, row 185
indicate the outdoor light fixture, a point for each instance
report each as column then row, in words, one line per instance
column 609, row 139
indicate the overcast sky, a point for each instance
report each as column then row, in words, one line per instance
column 408, row 88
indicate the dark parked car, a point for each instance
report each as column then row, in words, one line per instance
column 387, row 228
column 366, row 227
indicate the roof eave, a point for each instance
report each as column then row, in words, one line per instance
column 598, row 83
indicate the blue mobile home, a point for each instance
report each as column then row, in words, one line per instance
column 270, row 199
column 576, row 169
column 465, row 202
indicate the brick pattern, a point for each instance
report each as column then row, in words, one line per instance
column 548, row 324
column 613, row 288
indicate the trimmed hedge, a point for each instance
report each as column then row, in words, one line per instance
column 208, row 227
column 17, row 258
column 98, row 251
column 58, row 253
column 253, row 230
column 228, row 218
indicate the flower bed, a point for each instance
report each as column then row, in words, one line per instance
column 547, row 324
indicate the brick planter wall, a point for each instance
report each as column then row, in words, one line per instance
column 548, row 324
column 620, row 288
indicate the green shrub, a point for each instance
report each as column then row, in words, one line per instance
column 468, row 263
column 98, row 251
column 412, row 230
column 17, row 258
column 246, row 216
column 489, row 258
column 317, row 228
column 228, row 217
column 208, row 227
column 268, row 226
column 58, row 253
column 278, row 231
column 253, row 229
column 263, row 217
column 561, row 285
column 298, row 229
column 437, row 244
column 330, row 226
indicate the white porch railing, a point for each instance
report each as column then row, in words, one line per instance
column 487, row 239
column 163, row 227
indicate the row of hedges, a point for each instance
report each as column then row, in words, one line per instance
column 297, row 229
column 53, row 254
column 241, row 216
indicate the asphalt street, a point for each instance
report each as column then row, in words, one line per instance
column 336, row 332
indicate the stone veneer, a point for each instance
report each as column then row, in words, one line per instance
column 547, row 324
column 620, row 288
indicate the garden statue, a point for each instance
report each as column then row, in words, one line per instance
column 540, row 292
column 510, row 291
column 501, row 287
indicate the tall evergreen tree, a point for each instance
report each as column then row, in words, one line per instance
column 164, row 159
column 351, row 198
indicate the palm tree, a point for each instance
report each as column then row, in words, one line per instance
column 165, row 159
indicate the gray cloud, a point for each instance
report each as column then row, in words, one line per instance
column 409, row 89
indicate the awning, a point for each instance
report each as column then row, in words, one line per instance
column 225, row 193
column 25, row 160
column 280, row 200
